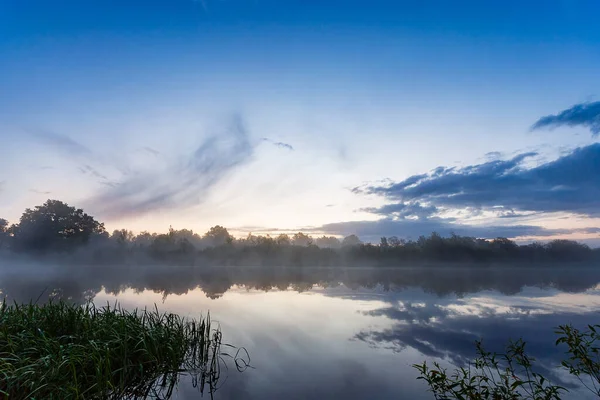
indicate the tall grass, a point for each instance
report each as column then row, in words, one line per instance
column 66, row 351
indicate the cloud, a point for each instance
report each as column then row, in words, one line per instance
column 281, row 145
column 88, row 169
column 493, row 155
column 150, row 150
column 413, row 228
column 584, row 114
column 39, row 191
column 62, row 143
column 403, row 210
column 567, row 184
column 181, row 185
column 75, row 152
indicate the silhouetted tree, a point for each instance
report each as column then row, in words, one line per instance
column 351, row 240
column 3, row 232
column 144, row 239
column 217, row 236
column 283, row 240
column 328, row 242
column 301, row 239
column 188, row 235
column 393, row 241
column 567, row 250
column 54, row 226
column 122, row 237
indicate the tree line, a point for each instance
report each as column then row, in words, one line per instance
column 57, row 228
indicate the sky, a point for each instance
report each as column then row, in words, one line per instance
column 377, row 118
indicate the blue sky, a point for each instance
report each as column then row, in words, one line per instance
column 328, row 116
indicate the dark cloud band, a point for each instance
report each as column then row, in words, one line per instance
column 584, row 114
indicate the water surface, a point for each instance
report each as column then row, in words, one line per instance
column 341, row 333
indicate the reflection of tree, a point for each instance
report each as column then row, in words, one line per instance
column 27, row 282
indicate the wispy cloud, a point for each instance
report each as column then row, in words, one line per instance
column 584, row 114
column 150, row 150
column 89, row 170
column 39, row 191
column 88, row 160
column 181, row 185
column 62, row 143
column 281, row 145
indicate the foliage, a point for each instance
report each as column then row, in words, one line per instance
column 350, row 241
column 583, row 354
column 62, row 351
column 3, row 232
column 510, row 376
column 217, row 235
column 57, row 227
column 54, row 226
column 492, row 376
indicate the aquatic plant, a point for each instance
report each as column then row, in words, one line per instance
column 491, row 376
column 511, row 376
column 67, row 351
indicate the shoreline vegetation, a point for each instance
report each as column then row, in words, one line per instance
column 512, row 375
column 58, row 230
column 60, row 350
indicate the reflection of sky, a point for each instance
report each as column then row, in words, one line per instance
column 339, row 332
column 298, row 343
column 343, row 343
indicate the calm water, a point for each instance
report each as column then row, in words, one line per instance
column 343, row 333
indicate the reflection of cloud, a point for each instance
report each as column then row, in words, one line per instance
column 180, row 185
column 584, row 114
column 410, row 313
column 447, row 328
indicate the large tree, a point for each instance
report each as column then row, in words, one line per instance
column 54, row 226
column 350, row 241
column 301, row 239
column 217, row 236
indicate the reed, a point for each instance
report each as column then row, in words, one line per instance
column 66, row 351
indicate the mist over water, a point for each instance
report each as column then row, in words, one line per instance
column 347, row 333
